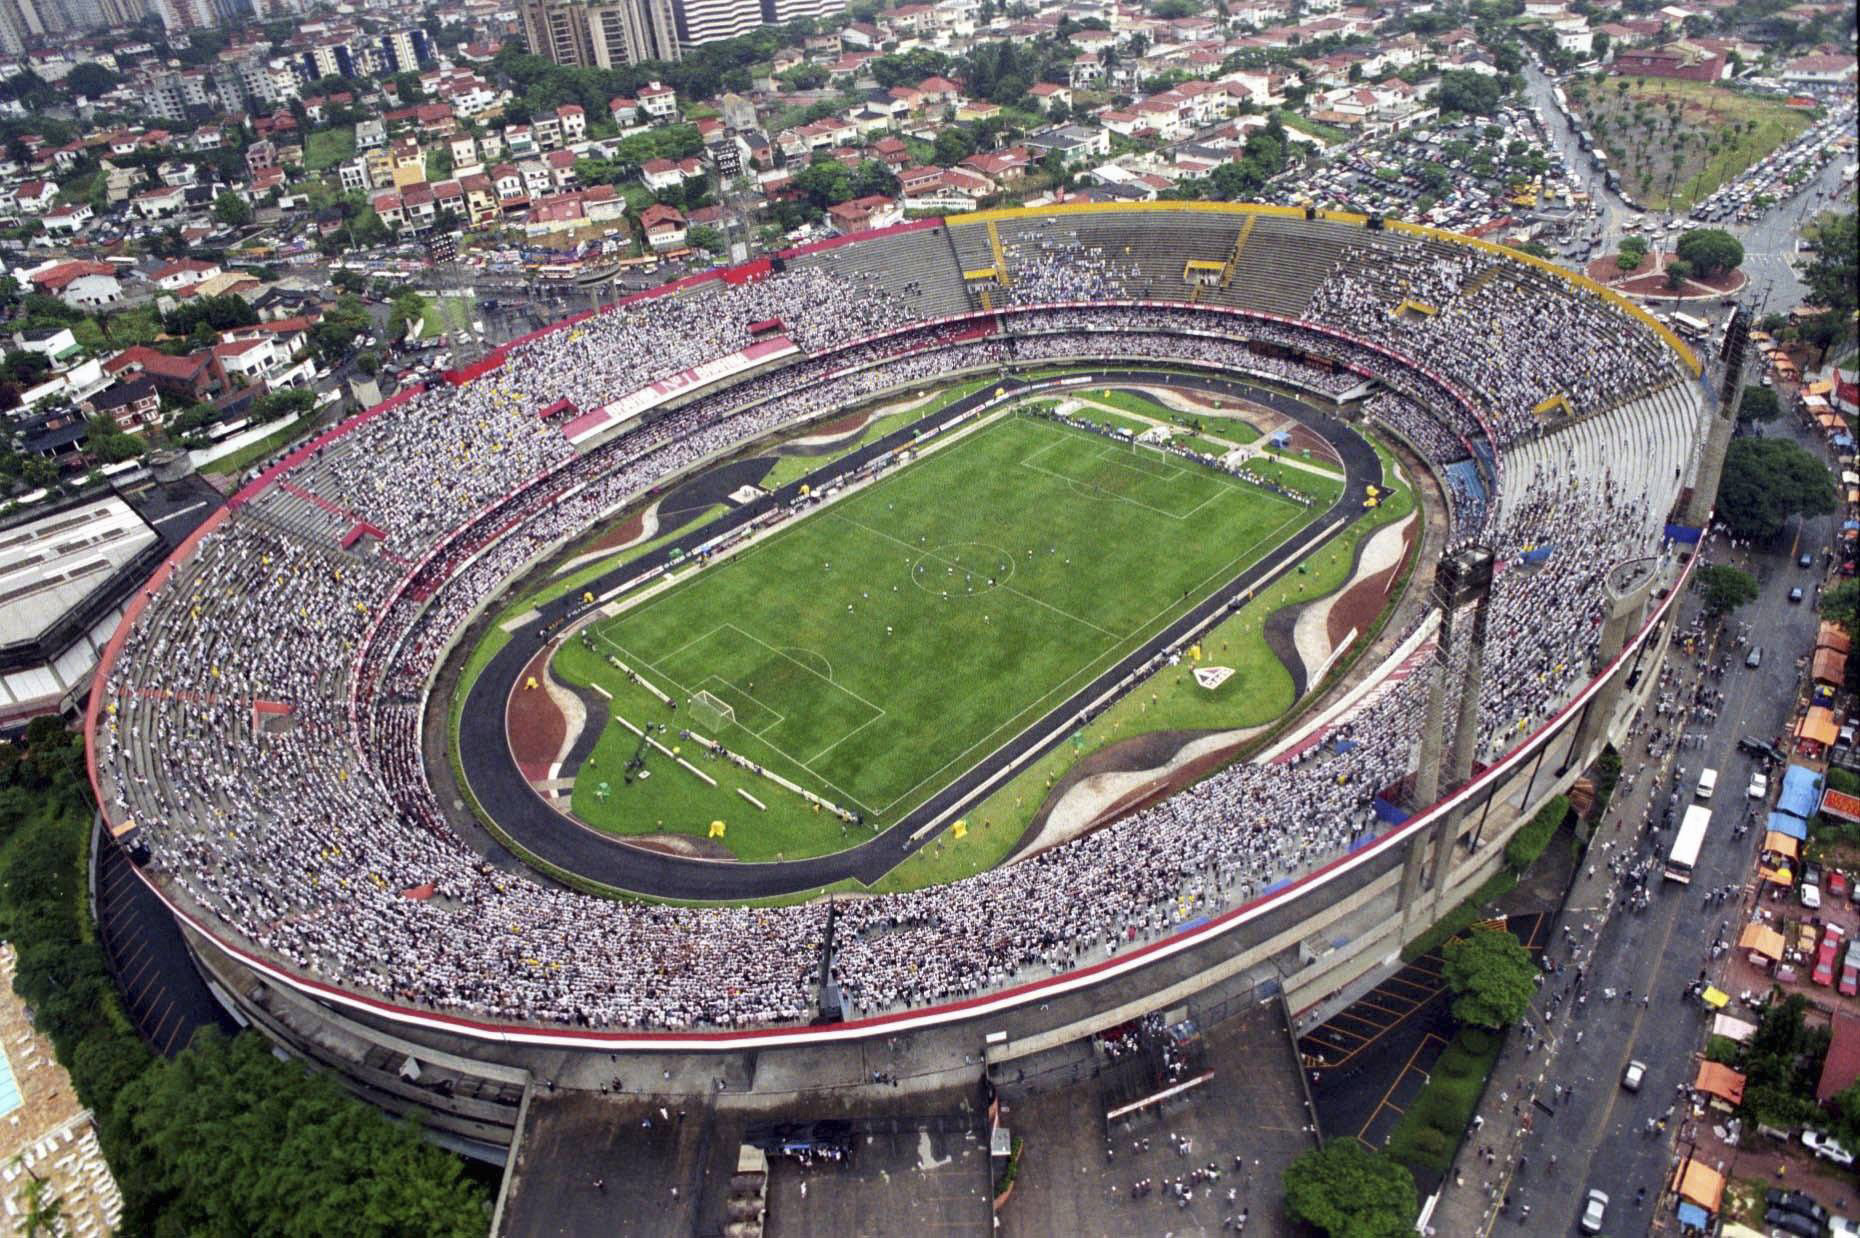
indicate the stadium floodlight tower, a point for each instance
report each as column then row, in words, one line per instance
column 1719, row 418
column 1462, row 590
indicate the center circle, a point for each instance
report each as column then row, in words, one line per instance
column 962, row 569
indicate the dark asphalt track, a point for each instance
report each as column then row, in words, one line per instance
column 507, row 798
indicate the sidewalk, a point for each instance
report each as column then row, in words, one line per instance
column 1517, row 1094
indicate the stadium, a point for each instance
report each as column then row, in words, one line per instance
column 303, row 730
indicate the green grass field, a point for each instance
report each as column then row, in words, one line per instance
column 328, row 147
column 448, row 313
column 875, row 649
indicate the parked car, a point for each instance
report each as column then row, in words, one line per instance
column 1759, row 785
column 1791, row 1223
column 1827, row 952
column 1594, row 1208
column 1850, row 970
column 1837, row 884
column 1796, row 1202
column 1632, row 1076
column 1826, row 1148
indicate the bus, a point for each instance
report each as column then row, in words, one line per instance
column 1689, row 325
column 1686, row 844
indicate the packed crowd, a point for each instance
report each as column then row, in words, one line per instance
column 230, row 726
column 1515, row 336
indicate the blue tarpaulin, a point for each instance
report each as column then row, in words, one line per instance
column 1537, row 554
column 1280, row 438
column 1794, row 827
column 1390, row 812
column 1693, row 1215
column 1685, row 535
column 1801, row 791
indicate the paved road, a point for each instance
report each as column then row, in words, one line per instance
column 505, row 795
column 1768, row 242
column 1598, row 1132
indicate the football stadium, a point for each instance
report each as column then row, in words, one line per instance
column 972, row 635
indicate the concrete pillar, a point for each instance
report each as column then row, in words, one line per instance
column 1711, row 467
column 1433, row 747
column 1625, row 596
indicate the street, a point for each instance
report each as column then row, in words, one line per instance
column 1769, row 242
column 1638, row 964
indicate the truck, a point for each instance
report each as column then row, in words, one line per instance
column 1686, row 844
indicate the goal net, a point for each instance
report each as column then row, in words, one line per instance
column 710, row 709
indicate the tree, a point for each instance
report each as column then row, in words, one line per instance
column 706, row 238
column 1768, row 480
column 91, row 79
column 231, row 1140
column 1633, row 252
column 1678, row 271
column 232, row 210
column 1833, row 278
column 1759, row 404
column 1711, row 251
column 1725, row 589
column 1841, row 604
column 1462, row 90
column 1349, row 1191
column 1492, row 976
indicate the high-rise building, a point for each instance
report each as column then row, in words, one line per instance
column 187, row 14
column 406, row 51
column 706, row 21
column 122, row 12
column 631, row 31
column 20, row 26
column 602, row 33
column 781, row 12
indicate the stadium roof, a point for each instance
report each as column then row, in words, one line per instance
column 49, row 566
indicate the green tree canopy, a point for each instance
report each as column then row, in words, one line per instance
column 1633, row 252
column 231, row 209
column 1462, row 90
column 1724, row 589
column 1840, row 602
column 1492, row 976
column 233, row 1141
column 1348, row 1191
column 1759, row 404
column 1768, row 480
column 1833, row 278
column 1711, row 251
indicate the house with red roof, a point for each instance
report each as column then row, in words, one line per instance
column 190, row 378
column 35, row 197
column 664, row 227
column 182, row 272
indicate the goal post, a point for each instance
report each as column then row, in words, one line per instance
column 712, row 710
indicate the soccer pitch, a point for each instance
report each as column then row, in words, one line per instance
column 873, row 650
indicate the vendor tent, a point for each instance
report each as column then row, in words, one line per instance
column 1761, row 939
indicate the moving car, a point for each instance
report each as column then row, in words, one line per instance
column 1708, row 782
column 1754, row 658
column 1593, row 1209
column 1795, row 594
column 1807, row 560
column 1632, row 1076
